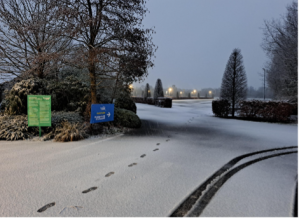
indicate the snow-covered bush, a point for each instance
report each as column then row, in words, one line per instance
column 124, row 101
column 68, row 94
column 221, row 108
column 126, row 118
column 15, row 128
column 71, row 132
column 266, row 111
column 16, row 98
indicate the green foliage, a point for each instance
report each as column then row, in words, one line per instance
column 124, row 101
column 16, row 98
column 68, row 94
column 126, row 118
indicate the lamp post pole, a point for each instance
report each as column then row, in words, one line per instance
column 264, row 84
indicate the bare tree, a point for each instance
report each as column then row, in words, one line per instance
column 234, row 81
column 281, row 45
column 112, row 43
column 31, row 40
column 158, row 89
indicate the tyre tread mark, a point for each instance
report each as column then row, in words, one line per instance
column 187, row 204
column 206, row 198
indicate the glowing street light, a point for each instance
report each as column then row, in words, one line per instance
column 210, row 92
column 131, row 86
column 194, row 91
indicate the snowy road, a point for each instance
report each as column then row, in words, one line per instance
column 119, row 181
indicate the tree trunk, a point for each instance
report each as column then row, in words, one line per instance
column 92, row 75
column 234, row 88
column 40, row 70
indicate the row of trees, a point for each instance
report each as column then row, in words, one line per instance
column 280, row 42
column 158, row 92
column 103, row 37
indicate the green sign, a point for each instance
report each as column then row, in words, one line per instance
column 39, row 110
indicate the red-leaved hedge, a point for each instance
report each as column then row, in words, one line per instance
column 267, row 111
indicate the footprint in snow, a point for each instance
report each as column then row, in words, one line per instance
column 109, row 174
column 90, row 189
column 156, row 149
column 132, row 164
column 45, row 207
column 143, row 155
column 158, row 143
column 167, row 140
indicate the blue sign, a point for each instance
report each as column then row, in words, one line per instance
column 102, row 113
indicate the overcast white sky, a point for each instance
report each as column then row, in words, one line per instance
column 196, row 37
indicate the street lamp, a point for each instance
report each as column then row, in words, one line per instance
column 264, row 83
column 131, row 89
column 170, row 92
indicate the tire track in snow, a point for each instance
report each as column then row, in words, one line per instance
column 195, row 203
column 295, row 210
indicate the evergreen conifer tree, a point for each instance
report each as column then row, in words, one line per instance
column 147, row 91
column 234, row 81
column 158, row 90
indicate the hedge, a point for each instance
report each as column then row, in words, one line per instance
column 266, row 111
column 221, row 108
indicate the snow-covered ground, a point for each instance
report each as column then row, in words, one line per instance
column 192, row 146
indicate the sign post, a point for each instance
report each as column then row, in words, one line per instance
column 39, row 111
column 102, row 113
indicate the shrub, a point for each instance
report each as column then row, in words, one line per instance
column 16, row 99
column 69, row 94
column 266, row 111
column 15, row 127
column 138, row 99
column 221, row 108
column 295, row 109
column 126, row 118
column 124, row 101
column 164, row 102
column 250, row 109
column 70, row 132
column 150, row 101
